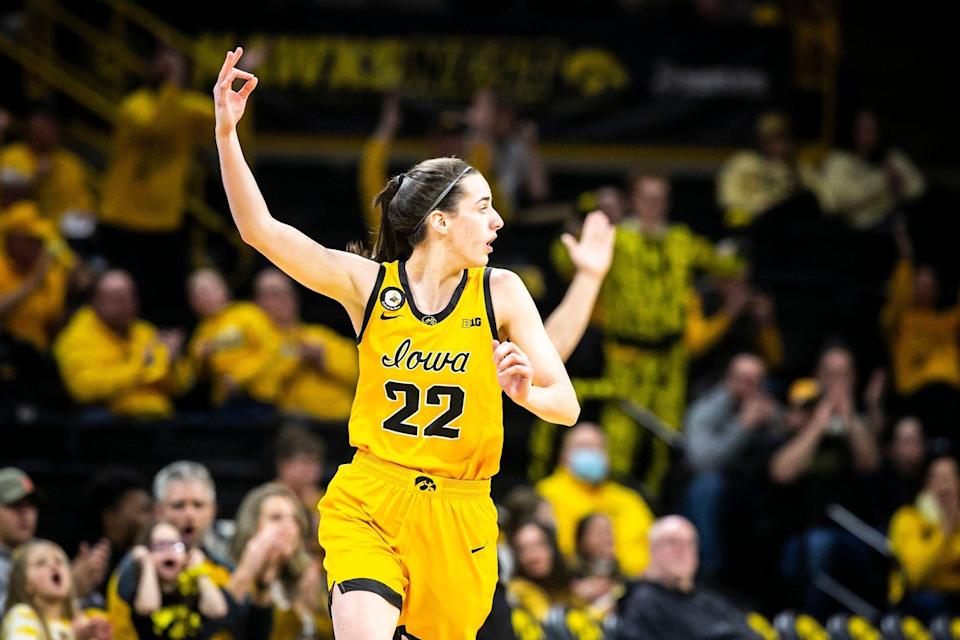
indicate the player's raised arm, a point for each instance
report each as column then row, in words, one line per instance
column 343, row 276
column 591, row 255
column 528, row 367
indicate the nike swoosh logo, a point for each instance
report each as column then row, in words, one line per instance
column 384, row 316
column 477, row 549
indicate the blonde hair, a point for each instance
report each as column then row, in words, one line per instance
column 248, row 521
column 17, row 592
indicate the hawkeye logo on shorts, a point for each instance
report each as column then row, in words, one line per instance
column 391, row 298
column 425, row 484
column 466, row 323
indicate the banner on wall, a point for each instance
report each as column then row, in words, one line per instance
column 626, row 86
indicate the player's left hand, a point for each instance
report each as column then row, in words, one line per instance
column 514, row 372
column 593, row 253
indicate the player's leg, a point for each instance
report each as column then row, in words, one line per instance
column 450, row 548
column 362, row 615
column 360, row 520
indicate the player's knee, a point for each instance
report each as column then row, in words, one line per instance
column 362, row 615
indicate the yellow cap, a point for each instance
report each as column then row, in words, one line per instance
column 803, row 391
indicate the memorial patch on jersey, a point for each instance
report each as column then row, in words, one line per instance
column 391, row 298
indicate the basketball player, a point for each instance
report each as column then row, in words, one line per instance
column 408, row 527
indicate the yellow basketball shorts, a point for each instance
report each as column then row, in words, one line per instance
column 426, row 544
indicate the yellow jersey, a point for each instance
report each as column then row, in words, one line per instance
column 427, row 395
column 157, row 134
column 64, row 187
column 241, row 342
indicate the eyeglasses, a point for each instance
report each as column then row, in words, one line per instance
column 168, row 545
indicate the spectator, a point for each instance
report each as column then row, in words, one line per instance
column 18, row 519
column 924, row 343
column 159, row 129
column 523, row 504
column 864, row 183
column 725, row 318
column 607, row 198
column 233, row 346
column 186, row 498
column 643, row 304
column 448, row 141
column 170, row 592
column 580, row 486
column 752, row 182
column 299, row 458
column 720, row 427
column 18, row 524
column 901, row 474
column 118, row 507
column 285, row 576
column 827, row 455
column 113, row 363
column 597, row 578
column 498, row 139
column 40, row 602
column 35, row 266
column 316, row 370
column 40, row 169
column 540, row 592
column 666, row 604
column 926, row 540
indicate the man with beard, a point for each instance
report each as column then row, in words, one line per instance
column 186, row 497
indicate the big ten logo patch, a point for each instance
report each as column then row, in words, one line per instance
column 466, row 323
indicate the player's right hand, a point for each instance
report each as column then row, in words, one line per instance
column 230, row 104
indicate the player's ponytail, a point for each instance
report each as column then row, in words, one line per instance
column 409, row 198
column 386, row 247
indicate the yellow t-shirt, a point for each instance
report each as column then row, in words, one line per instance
column 64, row 188
column 244, row 345
column 156, row 136
column 924, row 343
column 531, row 606
column 703, row 332
column 34, row 318
column 572, row 500
column 645, row 295
column 99, row 366
column 427, row 396
column 929, row 559
column 749, row 184
column 301, row 388
column 23, row 623
column 858, row 190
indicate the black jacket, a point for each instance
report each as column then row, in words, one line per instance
column 650, row 611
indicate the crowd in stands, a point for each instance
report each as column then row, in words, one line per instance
column 721, row 474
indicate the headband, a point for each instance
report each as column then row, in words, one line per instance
column 443, row 194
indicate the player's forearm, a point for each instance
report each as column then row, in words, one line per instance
column 569, row 320
column 557, row 403
column 249, row 209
